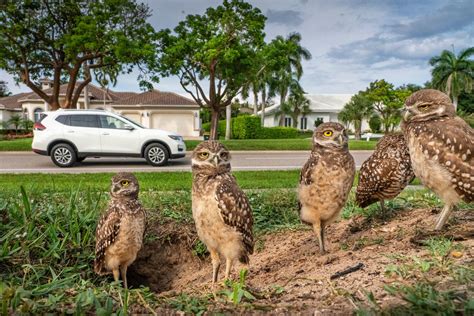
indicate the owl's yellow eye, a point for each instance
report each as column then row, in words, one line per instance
column 327, row 133
column 203, row 155
column 124, row 183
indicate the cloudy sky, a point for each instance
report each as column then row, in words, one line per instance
column 353, row 42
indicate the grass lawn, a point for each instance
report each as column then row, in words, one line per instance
column 47, row 250
column 149, row 181
column 248, row 144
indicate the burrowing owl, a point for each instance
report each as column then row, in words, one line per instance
column 326, row 178
column 386, row 172
column 119, row 234
column 221, row 210
column 441, row 148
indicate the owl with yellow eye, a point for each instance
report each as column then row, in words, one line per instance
column 119, row 233
column 221, row 210
column 326, row 179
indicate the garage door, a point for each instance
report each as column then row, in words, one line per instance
column 181, row 123
column 136, row 117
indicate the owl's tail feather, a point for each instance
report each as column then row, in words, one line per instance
column 99, row 267
column 244, row 258
column 364, row 200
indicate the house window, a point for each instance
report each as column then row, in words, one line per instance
column 37, row 114
column 304, row 123
column 287, row 121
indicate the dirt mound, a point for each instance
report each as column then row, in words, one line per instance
column 290, row 260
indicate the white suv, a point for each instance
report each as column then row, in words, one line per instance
column 70, row 136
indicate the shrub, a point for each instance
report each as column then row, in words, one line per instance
column 220, row 129
column 246, row 127
column 278, row 132
column 375, row 124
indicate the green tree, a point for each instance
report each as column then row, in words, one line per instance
column 355, row 111
column 71, row 40
column 15, row 121
column 287, row 56
column 375, row 124
column 296, row 105
column 387, row 102
column 216, row 49
column 26, row 124
column 4, row 89
column 453, row 74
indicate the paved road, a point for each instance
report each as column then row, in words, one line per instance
column 28, row 162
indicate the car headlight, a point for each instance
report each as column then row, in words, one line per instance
column 176, row 138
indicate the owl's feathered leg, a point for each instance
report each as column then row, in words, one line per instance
column 318, row 228
column 116, row 274
column 382, row 206
column 123, row 271
column 228, row 267
column 444, row 216
column 216, row 263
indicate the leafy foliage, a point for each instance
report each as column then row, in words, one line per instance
column 246, row 127
column 4, row 89
column 355, row 111
column 218, row 47
column 237, row 291
column 70, row 40
column 375, row 123
column 453, row 74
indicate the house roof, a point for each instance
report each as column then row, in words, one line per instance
column 156, row 97
column 152, row 98
column 11, row 102
column 320, row 103
column 94, row 92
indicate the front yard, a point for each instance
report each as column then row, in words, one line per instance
column 47, row 251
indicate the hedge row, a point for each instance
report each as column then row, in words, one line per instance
column 249, row 127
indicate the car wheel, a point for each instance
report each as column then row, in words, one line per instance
column 156, row 155
column 63, row 155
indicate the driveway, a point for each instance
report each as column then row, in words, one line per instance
column 28, row 162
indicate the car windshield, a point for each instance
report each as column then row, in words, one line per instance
column 133, row 122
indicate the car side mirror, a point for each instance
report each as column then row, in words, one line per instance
column 129, row 128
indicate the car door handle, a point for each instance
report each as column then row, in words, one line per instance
column 105, row 134
column 70, row 131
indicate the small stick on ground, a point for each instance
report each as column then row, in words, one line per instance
column 347, row 271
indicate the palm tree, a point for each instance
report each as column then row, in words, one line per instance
column 355, row 111
column 297, row 105
column 453, row 74
column 15, row 120
column 288, row 54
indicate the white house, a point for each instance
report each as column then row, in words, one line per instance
column 323, row 107
column 153, row 109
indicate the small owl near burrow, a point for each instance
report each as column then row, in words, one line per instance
column 120, row 232
column 386, row 172
column 326, row 178
column 441, row 147
column 221, row 210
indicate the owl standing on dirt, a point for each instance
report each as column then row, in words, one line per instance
column 221, row 210
column 441, row 148
column 119, row 234
column 326, row 178
column 386, row 172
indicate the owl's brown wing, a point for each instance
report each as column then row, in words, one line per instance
column 106, row 233
column 307, row 170
column 451, row 143
column 236, row 212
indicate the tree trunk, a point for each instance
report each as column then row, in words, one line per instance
column 455, row 102
column 214, row 123
column 264, row 97
column 255, row 103
column 282, row 115
column 357, row 129
column 228, row 115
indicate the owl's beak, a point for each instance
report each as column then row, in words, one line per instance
column 340, row 138
column 216, row 160
column 406, row 114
